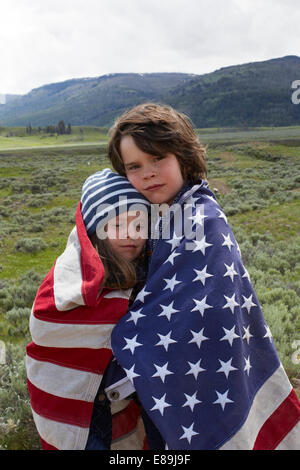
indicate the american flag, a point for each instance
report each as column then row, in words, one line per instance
column 196, row 345
column 70, row 325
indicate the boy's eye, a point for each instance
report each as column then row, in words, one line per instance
column 132, row 167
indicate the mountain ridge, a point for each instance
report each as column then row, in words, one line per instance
column 250, row 94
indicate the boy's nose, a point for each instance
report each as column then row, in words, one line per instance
column 149, row 171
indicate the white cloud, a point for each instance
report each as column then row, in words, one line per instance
column 44, row 42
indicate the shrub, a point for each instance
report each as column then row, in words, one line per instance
column 18, row 322
column 30, row 245
column 17, row 429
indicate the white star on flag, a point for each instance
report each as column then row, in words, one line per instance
column 131, row 374
column 131, row 344
column 247, row 334
column 191, row 202
column 248, row 365
column 188, row 433
column 227, row 241
column 248, row 303
column 198, row 337
column 211, row 198
column 171, row 283
column 171, row 257
column 222, row 215
column 142, row 294
column 198, row 218
column 230, row 335
column 135, row 316
column 246, row 274
column 195, row 369
column 202, row 275
column 168, row 310
column 201, row 245
column 268, row 333
column 226, row 367
column 165, row 340
column 222, row 399
column 201, row 305
column 230, row 271
column 162, row 371
column 191, row 401
column 174, row 242
column 231, row 303
column 160, row 404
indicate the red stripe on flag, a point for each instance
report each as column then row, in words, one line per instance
column 280, row 423
column 91, row 264
column 125, row 421
column 86, row 359
column 63, row 410
column 105, row 311
column 47, row 446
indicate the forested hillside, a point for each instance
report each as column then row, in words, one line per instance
column 254, row 94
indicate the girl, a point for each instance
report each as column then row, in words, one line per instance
column 69, row 362
column 202, row 357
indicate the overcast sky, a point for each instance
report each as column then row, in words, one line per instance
column 50, row 41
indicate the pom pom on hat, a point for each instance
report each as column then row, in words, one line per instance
column 105, row 195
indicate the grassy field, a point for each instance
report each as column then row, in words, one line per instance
column 17, row 138
column 256, row 180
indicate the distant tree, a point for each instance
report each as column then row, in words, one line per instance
column 50, row 129
column 69, row 129
column 61, row 128
column 28, row 129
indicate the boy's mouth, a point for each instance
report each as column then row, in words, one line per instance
column 153, row 187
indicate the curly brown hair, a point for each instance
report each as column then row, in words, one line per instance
column 158, row 130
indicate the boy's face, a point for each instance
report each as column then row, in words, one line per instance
column 158, row 178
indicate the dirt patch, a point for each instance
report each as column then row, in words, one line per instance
column 227, row 156
column 296, row 384
column 219, row 186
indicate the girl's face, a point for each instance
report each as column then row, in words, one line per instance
column 158, row 178
column 127, row 234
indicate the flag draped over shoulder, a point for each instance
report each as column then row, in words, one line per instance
column 196, row 345
column 71, row 327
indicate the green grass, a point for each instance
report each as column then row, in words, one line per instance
column 262, row 134
column 282, row 221
column 11, row 138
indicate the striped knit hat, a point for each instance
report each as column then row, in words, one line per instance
column 105, row 195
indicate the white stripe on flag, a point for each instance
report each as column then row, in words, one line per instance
column 67, row 276
column 118, row 294
column 63, row 381
column 291, row 440
column 65, row 335
column 272, row 393
column 60, row 435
